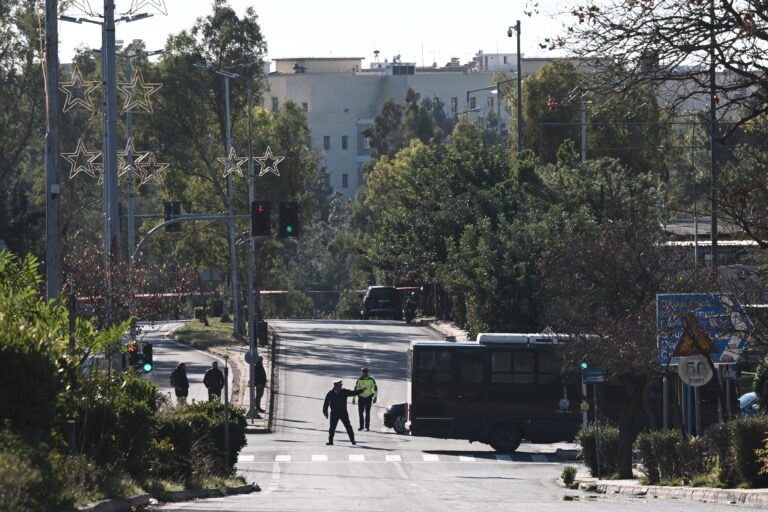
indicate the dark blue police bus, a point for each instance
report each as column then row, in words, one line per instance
column 499, row 390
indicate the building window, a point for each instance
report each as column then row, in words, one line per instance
column 344, row 142
column 305, row 106
column 326, row 142
column 366, row 143
column 505, row 59
column 472, row 102
column 344, row 180
column 490, row 101
column 275, row 104
column 454, row 104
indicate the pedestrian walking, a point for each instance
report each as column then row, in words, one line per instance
column 214, row 382
column 337, row 400
column 260, row 381
column 180, row 383
column 368, row 396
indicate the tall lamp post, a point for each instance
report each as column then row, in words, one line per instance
column 52, row 186
column 516, row 28
column 236, row 328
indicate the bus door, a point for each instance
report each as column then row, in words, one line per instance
column 469, row 386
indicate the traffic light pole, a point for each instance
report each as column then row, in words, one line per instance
column 253, row 413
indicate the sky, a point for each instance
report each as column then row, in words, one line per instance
column 421, row 31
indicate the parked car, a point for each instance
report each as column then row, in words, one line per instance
column 748, row 405
column 394, row 418
column 381, row 301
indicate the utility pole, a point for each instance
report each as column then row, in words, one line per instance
column 519, row 92
column 714, row 171
column 252, row 412
column 52, row 142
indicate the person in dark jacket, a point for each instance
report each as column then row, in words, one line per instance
column 259, row 381
column 214, row 381
column 337, row 400
column 180, row 383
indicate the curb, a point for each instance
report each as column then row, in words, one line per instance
column 128, row 504
column 703, row 494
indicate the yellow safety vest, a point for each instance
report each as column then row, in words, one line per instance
column 371, row 391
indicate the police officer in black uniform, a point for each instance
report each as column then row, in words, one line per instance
column 337, row 400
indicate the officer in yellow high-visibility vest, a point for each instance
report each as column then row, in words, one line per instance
column 366, row 398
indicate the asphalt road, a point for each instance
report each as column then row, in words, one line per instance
column 385, row 471
column 168, row 354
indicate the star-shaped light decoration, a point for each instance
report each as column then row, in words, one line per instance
column 233, row 163
column 129, row 154
column 137, row 93
column 157, row 4
column 78, row 91
column 151, row 170
column 268, row 162
column 83, row 6
column 82, row 160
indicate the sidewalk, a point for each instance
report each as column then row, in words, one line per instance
column 240, row 393
column 445, row 329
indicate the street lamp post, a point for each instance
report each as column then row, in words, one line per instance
column 236, row 331
column 516, row 28
column 52, row 186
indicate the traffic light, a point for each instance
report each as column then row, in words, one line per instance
column 261, row 219
column 289, row 219
column 147, row 350
column 172, row 211
column 133, row 354
column 584, row 365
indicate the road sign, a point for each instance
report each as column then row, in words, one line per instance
column 594, row 376
column 720, row 315
column 728, row 371
column 694, row 340
column 694, row 370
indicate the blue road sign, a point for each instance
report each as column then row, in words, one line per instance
column 594, row 376
column 721, row 316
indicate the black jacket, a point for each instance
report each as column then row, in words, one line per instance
column 179, row 378
column 214, row 379
column 259, row 374
column 338, row 401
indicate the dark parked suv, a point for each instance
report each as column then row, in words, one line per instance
column 381, row 301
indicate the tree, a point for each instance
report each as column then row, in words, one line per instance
column 670, row 46
column 22, row 125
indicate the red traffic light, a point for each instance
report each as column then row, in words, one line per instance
column 133, row 347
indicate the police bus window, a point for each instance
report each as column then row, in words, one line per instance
column 549, row 369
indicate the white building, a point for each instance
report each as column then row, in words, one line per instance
column 342, row 99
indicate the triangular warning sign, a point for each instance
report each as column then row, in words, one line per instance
column 694, row 340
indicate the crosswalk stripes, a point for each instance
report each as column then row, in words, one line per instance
column 392, row 457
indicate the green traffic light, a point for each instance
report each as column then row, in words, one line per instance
column 147, row 367
column 584, row 366
column 289, row 229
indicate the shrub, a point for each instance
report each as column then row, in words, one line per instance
column 199, row 313
column 748, row 436
column 599, row 442
column 195, row 436
column 761, row 384
column 568, row 475
column 721, row 437
column 19, row 478
column 668, row 455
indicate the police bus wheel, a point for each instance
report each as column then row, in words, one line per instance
column 399, row 425
column 505, row 438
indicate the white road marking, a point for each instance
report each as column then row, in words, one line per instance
column 357, row 458
column 466, row 458
column 275, row 482
column 319, row 458
column 537, row 457
column 400, row 471
column 282, row 458
column 503, row 457
column 393, row 458
column 245, row 458
column 430, row 457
